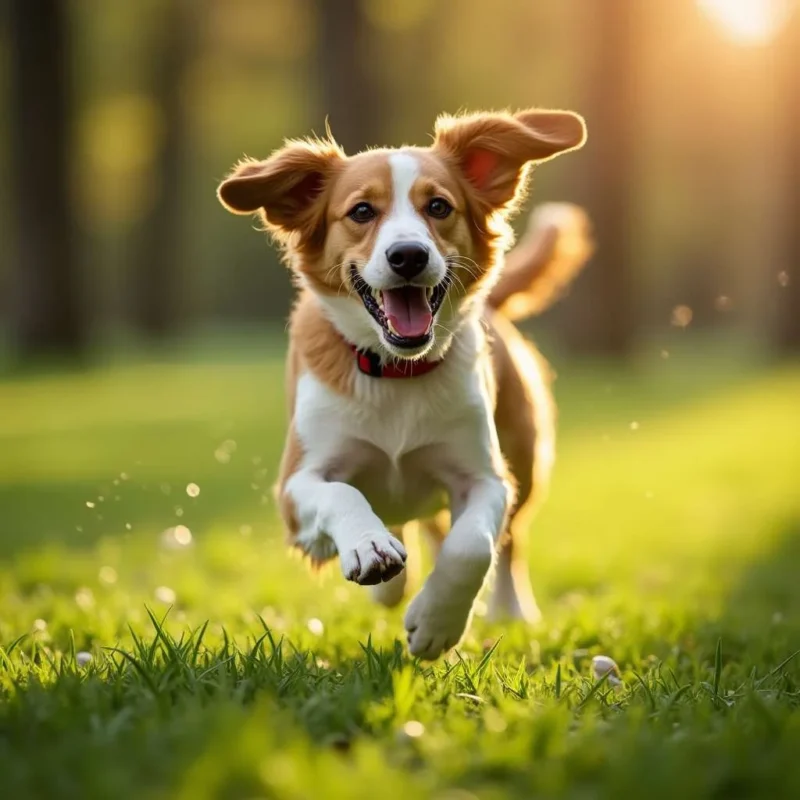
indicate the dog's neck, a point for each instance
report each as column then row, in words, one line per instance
column 370, row 363
column 318, row 346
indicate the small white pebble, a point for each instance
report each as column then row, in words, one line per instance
column 128, row 526
column 602, row 666
column 413, row 728
column 193, row 490
column 315, row 626
column 89, row 504
column 165, row 595
column 82, row 658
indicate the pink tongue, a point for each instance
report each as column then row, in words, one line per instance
column 408, row 310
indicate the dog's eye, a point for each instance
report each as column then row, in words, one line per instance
column 362, row 212
column 439, row 207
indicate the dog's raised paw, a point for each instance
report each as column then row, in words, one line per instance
column 374, row 559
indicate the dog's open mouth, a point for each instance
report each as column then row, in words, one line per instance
column 405, row 313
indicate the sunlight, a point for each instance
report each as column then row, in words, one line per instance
column 748, row 22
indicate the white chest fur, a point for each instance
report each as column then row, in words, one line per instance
column 402, row 443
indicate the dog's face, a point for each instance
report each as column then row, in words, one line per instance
column 396, row 243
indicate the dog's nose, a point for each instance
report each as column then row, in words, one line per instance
column 407, row 259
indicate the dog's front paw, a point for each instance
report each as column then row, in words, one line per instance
column 376, row 558
column 435, row 621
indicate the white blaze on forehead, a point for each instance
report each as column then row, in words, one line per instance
column 403, row 223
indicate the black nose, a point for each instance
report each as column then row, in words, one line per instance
column 407, row 259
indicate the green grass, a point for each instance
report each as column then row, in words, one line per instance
column 222, row 669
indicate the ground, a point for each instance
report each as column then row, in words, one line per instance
column 220, row 668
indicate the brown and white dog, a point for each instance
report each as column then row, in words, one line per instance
column 410, row 391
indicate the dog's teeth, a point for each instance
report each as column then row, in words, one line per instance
column 391, row 327
column 429, row 292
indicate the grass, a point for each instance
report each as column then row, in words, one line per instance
column 220, row 669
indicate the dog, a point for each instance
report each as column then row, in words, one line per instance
column 411, row 393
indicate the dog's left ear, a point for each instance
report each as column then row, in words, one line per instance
column 493, row 151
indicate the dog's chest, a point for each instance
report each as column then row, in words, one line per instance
column 393, row 441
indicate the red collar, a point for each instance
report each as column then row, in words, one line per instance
column 370, row 364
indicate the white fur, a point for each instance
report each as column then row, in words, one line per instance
column 393, row 452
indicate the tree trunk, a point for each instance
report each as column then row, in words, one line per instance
column 155, row 271
column 48, row 318
column 349, row 95
column 787, row 281
column 601, row 318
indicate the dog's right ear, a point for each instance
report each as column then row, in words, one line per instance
column 287, row 188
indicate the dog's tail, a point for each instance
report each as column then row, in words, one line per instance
column 553, row 250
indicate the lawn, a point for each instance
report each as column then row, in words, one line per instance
column 137, row 526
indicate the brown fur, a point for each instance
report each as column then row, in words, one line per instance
column 540, row 269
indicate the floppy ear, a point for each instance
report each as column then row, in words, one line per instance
column 286, row 188
column 493, row 150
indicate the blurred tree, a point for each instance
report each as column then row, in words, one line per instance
column 47, row 308
column 787, row 327
column 349, row 95
column 602, row 318
column 155, row 267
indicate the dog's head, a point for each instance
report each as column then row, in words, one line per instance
column 399, row 243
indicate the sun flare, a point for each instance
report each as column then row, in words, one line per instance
column 748, row 22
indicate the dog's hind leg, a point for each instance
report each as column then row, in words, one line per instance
column 512, row 596
column 392, row 592
column 525, row 418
